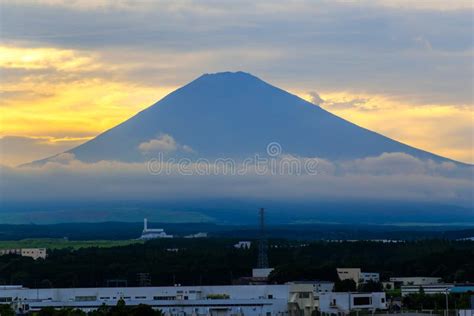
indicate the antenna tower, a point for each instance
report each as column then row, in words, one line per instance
column 262, row 262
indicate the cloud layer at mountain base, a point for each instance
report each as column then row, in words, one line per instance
column 391, row 176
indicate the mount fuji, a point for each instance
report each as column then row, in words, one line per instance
column 236, row 115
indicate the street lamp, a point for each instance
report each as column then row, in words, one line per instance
column 447, row 306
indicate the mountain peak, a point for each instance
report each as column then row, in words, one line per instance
column 229, row 74
column 235, row 114
column 228, row 77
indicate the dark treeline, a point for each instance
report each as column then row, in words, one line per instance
column 216, row 261
column 124, row 230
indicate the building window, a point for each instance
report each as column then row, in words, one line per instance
column 364, row 300
column 85, row 298
column 163, row 298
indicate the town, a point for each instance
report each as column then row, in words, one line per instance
column 299, row 298
column 198, row 274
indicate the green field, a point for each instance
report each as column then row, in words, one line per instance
column 59, row 243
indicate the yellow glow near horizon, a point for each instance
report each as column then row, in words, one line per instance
column 63, row 103
column 79, row 108
column 43, row 58
column 440, row 129
column 68, row 95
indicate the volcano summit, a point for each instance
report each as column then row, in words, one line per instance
column 236, row 115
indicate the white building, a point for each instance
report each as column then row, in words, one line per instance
column 398, row 281
column 343, row 303
column 197, row 235
column 318, row 286
column 243, row 245
column 152, row 233
column 427, row 288
column 323, row 287
column 242, row 300
column 357, row 275
column 229, row 300
column 302, row 300
column 348, row 274
column 365, row 277
column 34, row 253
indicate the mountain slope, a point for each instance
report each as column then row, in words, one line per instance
column 236, row 115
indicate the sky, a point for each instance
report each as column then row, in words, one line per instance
column 72, row 69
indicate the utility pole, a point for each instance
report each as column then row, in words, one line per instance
column 262, row 262
column 447, row 306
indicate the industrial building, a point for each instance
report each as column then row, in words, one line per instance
column 441, row 288
column 297, row 299
column 399, row 281
column 153, row 233
column 35, row 253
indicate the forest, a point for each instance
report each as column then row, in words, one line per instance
column 215, row 261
